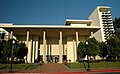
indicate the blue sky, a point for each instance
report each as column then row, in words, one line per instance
column 51, row 11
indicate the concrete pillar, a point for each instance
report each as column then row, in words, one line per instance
column 77, row 38
column 29, row 51
column 35, row 49
column 11, row 35
column 27, row 38
column 29, row 45
column 60, row 48
column 74, row 51
column 36, row 52
column 27, row 41
column 49, row 49
column 44, row 46
column 91, row 34
column 70, row 48
column 33, row 52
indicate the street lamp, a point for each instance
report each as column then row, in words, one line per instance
column 87, row 56
column 13, row 43
column 66, row 54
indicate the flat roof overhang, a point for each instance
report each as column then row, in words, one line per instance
column 104, row 8
column 71, row 21
column 52, row 31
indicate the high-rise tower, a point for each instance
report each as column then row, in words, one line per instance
column 102, row 17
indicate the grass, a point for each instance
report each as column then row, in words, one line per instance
column 96, row 65
column 18, row 66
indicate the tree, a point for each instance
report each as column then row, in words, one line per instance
column 116, row 24
column 114, row 46
column 6, row 50
column 81, row 50
column 90, row 49
column 103, row 50
column 21, row 51
column 2, row 42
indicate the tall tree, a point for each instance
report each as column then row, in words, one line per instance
column 22, row 51
column 6, row 50
column 90, row 49
column 19, row 50
column 103, row 50
column 116, row 24
column 114, row 46
column 81, row 52
column 2, row 42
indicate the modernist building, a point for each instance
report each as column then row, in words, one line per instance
column 3, row 34
column 58, row 43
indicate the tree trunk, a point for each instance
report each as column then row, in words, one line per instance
column 103, row 58
column 116, row 58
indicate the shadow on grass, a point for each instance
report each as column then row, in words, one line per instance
column 84, row 65
column 2, row 67
column 27, row 67
column 86, row 68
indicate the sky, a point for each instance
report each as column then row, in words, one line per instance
column 51, row 12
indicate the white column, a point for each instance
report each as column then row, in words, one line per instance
column 91, row 34
column 44, row 46
column 77, row 36
column 49, row 48
column 29, row 45
column 39, row 46
column 60, row 48
column 27, row 41
column 29, row 51
column 11, row 35
column 70, row 48
column 74, row 50
column 33, row 52
column 36, row 55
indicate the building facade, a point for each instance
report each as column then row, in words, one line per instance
column 59, row 43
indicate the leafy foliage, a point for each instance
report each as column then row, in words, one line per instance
column 93, row 48
column 103, row 49
column 114, row 46
column 81, row 50
column 90, row 49
column 6, row 47
column 1, row 47
column 116, row 24
column 21, row 51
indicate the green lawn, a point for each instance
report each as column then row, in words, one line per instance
column 18, row 66
column 96, row 65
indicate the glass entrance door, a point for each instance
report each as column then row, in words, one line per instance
column 53, row 59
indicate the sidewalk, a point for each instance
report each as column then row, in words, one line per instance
column 52, row 67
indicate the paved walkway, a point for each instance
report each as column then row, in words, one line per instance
column 52, row 67
column 47, row 68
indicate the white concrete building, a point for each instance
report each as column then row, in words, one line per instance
column 59, row 43
column 101, row 16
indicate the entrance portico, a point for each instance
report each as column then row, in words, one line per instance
column 50, row 43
